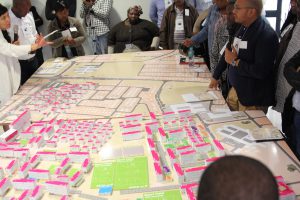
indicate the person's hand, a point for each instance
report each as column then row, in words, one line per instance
column 152, row 49
column 69, row 41
column 17, row 42
column 88, row 3
column 39, row 42
column 214, row 84
column 230, row 56
column 187, row 42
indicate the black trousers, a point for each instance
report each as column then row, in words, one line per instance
column 28, row 67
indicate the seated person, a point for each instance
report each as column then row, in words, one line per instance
column 133, row 34
column 73, row 35
column 237, row 178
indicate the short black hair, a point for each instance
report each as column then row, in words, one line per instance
column 3, row 9
column 60, row 5
column 237, row 177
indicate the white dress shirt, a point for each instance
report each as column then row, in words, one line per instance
column 26, row 30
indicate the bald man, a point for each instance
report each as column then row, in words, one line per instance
column 237, row 178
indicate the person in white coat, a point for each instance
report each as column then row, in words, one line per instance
column 10, row 73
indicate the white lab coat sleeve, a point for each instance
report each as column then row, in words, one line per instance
column 12, row 50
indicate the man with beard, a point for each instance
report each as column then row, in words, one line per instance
column 177, row 24
column 133, row 34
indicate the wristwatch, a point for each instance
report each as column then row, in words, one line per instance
column 234, row 62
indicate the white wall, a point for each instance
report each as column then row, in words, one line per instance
column 119, row 13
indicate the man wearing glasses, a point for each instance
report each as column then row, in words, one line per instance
column 251, row 71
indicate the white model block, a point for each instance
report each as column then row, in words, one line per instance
column 1, row 173
column 194, row 174
column 133, row 135
column 24, row 184
column 78, row 157
column 7, row 152
column 188, row 157
column 39, row 174
column 5, row 185
column 57, row 187
column 47, row 156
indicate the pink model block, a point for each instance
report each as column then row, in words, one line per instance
column 151, row 144
column 25, row 195
column 285, row 192
column 155, row 156
column 36, row 193
column 218, row 147
column 35, row 160
column 179, row 173
column 22, row 122
column 65, row 164
column 158, row 172
column 12, row 167
column 9, row 135
column 172, row 156
column 86, row 165
column 23, row 172
column 76, row 179
column 162, row 134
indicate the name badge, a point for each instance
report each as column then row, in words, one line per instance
column 168, row 3
column 236, row 44
column 179, row 25
column 243, row 44
column 187, row 12
column 73, row 29
column 128, row 46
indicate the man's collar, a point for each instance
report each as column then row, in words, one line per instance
column 185, row 6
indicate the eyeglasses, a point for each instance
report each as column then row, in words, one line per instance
column 236, row 7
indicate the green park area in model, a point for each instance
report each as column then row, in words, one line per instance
column 122, row 174
column 163, row 195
